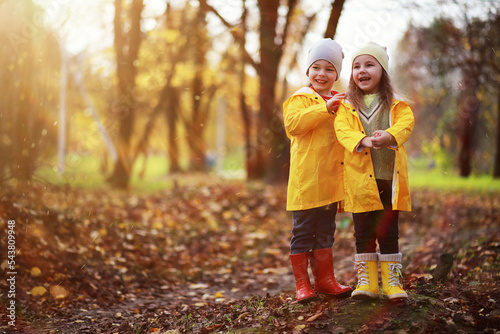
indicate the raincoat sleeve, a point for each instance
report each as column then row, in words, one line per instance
column 300, row 116
column 402, row 122
column 347, row 131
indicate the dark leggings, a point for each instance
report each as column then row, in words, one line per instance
column 313, row 229
column 381, row 225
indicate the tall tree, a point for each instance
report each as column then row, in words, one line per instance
column 269, row 151
column 29, row 65
column 195, row 124
column 333, row 21
column 246, row 116
column 463, row 51
column 127, row 41
column 186, row 44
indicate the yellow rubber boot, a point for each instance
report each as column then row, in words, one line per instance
column 367, row 267
column 390, row 268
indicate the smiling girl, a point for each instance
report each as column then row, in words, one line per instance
column 373, row 124
column 315, row 184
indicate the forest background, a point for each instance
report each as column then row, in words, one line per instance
column 143, row 164
column 134, row 91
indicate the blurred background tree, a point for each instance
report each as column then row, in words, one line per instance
column 29, row 99
column 197, row 85
column 451, row 69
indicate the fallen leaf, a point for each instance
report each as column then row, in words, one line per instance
column 58, row 292
column 38, row 291
column 314, row 317
column 4, row 265
column 35, row 271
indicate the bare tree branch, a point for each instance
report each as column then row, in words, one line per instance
column 235, row 32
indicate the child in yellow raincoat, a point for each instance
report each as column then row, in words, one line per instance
column 373, row 124
column 315, row 183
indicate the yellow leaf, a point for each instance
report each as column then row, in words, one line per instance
column 157, row 225
column 58, row 292
column 35, row 271
column 273, row 251
column 300, row 327
column 219, row 294
column 118, row 315
column 38, row 291
column 59, row 276
column 314, row 317
column 227, row 214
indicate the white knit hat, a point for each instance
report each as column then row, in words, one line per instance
column 326, row 49
column 379, row 52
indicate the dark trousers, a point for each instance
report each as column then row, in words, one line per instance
column 381, row 226
column 313, row 229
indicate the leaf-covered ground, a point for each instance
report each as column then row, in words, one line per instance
column 213, row 258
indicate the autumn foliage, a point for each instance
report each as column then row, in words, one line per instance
column 214, row 258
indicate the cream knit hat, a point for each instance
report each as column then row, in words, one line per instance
column 377, row 51
column 326, row 49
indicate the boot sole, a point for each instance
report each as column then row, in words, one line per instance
column 307, row 300
column 399, row 296
column 339, row 295
column 364, row 296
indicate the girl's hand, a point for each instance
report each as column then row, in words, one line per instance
column 366, row 142
column 332, row 105
column 382, row 139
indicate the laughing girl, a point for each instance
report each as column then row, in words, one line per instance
column 373, row 124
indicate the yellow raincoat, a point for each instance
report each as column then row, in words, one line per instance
column 361, row 188
column 316, row 173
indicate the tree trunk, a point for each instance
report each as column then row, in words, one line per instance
column 247, row 128
column 467, row 118
column 250, row 158
column 496, row 164
column 171, row 112
column 127, row 49
column 195, row 125
column 268, row 134
column 333, row 21
column 25, row 117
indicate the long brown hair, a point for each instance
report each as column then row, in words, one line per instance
column 385, row 92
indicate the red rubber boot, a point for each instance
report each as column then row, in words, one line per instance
column 324, row 277
column 304, row 291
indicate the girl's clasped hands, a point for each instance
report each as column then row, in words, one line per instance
column 380, row 139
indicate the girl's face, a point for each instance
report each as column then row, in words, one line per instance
column 322, row 75
column 366, row 73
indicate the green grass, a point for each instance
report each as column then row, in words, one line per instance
column 86, row 171
column 89, row 172
column 81, row 171
column 434, row 179
column 423, row 176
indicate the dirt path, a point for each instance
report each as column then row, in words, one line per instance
column 214, row 259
